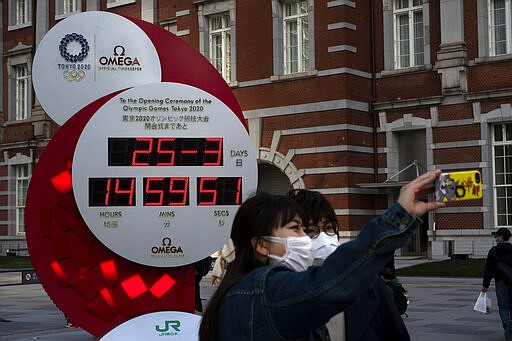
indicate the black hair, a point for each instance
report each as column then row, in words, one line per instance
column 387, row 273
column 504, row 232
column 315, row 205
column 258, row 216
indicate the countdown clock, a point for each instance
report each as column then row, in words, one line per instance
column 173, row 159
column 159, row 172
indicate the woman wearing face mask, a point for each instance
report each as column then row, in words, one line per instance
column 320, row 222
column 270, row 292
column 374, row 316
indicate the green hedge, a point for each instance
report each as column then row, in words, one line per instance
column 461, row 268
column 15, row 262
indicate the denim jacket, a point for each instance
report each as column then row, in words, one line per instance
column 275, row 303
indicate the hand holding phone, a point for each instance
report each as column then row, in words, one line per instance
column 456, row 186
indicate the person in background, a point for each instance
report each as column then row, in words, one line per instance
column 373, row 316
column 202, row 268
column 271, row 292
column 503, row 252
column 225, row 256
column 395, row 289
column 69, row 324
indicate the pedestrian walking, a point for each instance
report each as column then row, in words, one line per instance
column 502, row 252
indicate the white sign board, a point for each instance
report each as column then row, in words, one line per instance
column 87, row 56
column 159, row 172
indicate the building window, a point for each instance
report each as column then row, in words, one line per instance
column 502, row 155
column 220, row 44
column 21, row 196
column 293, row 46
column 117, row 3
column 22, row 79
column 22, row 14
column 19, row 14
column 296, row 37
column 171, row 26
column 500, row 27
column 217, row 36
column 408, row 33
column 64, row 8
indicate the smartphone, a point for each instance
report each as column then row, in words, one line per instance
column 456, row 186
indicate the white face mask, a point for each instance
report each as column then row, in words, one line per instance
column 298, row 254
column 324, row 245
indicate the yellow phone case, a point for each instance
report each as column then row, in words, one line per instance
column 456, row 186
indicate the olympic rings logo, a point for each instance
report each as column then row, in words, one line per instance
column 74, row 75
column 63, row 47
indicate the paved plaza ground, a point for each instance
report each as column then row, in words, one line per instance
column 440, row 309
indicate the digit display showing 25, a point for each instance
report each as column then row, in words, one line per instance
column 165, row 151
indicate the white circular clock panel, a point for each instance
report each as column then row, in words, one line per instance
column 159, row 172
column 87, row 56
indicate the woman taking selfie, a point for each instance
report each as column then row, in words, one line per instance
column 271, row 291
column 373, row 317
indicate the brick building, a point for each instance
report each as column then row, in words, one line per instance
column 350, row 98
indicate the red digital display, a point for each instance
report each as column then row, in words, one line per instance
column 219, row 191
column 165, row 191
column 112, row 192
column 164, row 151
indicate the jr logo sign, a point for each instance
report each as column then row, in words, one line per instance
column 158, row 326
column 171, row 327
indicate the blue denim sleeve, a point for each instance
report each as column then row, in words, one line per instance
column 296, row 302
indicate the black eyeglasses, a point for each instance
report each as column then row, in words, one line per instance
column 329, row 228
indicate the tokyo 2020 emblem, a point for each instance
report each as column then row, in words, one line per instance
column 73, row 37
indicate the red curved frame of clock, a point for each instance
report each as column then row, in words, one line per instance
column 93, row 286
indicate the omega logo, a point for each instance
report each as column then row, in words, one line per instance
column 119, row 48
column 118, row 58
column 167, row 249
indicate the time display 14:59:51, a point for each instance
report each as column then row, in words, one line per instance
column 164, row 191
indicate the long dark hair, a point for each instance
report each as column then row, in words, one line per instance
column 258, row 216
